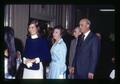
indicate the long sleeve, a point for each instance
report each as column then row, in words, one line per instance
column 46, row 57
column 70, row 53
column 94, row 54
column 74, row 60
column 36, row 49
column 75, row 54
column 62, row 51
column 25, row 49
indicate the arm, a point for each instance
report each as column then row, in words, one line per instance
column 61, row 53
column 25, row 52
column 25, row 57
column 94, row 54
column 75, row 56
column 73, row 63
column 76, row 51
column 71, row 69
column 46, row 57
column 70, row 53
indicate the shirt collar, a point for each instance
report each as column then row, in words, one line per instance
column 60, row 40
column 86, row 34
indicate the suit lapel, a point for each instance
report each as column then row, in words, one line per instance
column 87, row 38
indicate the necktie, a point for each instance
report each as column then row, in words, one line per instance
column 80, row 41
column 82, row 37
column 76, row 41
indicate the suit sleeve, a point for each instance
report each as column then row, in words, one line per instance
column 75, row 55
column 70, row 53
column 74, row 59
column 94, row 54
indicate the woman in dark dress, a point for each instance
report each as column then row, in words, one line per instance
column 36, row 51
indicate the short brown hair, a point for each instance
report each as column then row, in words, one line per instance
column 60, row 28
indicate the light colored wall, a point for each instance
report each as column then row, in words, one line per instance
column 18, row 20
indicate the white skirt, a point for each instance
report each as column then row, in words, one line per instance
column 33, row 74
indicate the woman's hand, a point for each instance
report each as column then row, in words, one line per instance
column 18, row 53
column 27, row 61
column 32, row 60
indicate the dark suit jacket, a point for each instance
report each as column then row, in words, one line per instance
column 86, row 55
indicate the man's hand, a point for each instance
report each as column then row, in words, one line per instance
column 71, row 70
column 90, row 75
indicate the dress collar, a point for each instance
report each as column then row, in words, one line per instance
column 34, row 36
column 60, row 40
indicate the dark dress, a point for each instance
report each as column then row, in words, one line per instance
column 37, row 48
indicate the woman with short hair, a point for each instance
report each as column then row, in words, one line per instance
column 57, row 67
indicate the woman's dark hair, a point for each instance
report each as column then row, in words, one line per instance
column 36, row 22
column 60, row 28
column 10, row 45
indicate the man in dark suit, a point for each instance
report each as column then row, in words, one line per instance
column 87, row 51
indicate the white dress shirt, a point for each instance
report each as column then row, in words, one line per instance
column 86, row 34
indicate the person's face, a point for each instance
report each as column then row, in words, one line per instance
column 84, row 27
column 32, row 29
column 76, row 32
column 56, row 34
